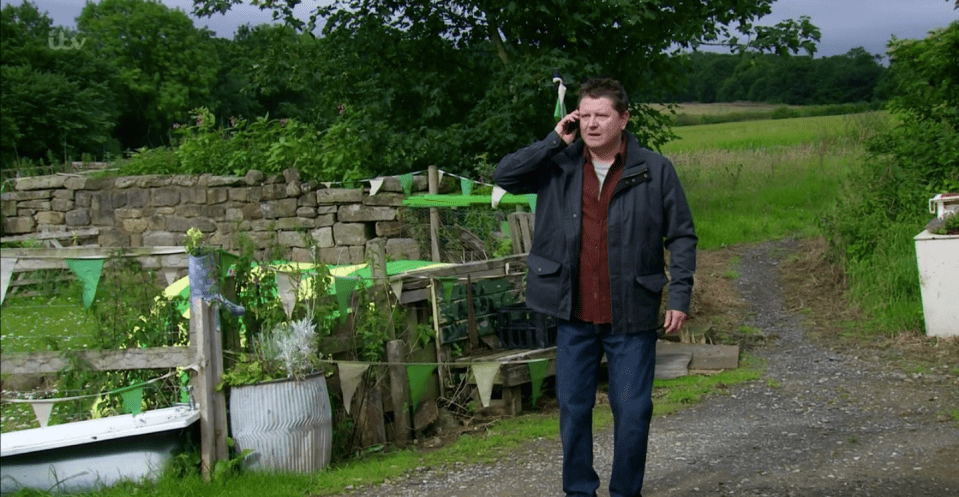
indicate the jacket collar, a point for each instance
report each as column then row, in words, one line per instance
column 571, row 158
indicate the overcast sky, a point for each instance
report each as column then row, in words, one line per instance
column 845, row 24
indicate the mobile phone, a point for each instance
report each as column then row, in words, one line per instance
column 571, row 126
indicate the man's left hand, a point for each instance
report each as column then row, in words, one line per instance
column 674, row 321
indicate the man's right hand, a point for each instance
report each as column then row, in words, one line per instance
column 561, row 127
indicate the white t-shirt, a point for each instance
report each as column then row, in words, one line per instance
column 601, row 168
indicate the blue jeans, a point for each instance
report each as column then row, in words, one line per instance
column 631, row 359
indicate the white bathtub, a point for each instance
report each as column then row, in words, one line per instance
column 86, row 455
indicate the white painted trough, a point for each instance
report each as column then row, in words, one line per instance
column 85, row 455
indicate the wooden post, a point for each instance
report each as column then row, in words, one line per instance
column 370, row 419
column 209, row 369
column 440, row 356
column 376, row 252
column 400, row 391
column 471, row 315
column 434, row 183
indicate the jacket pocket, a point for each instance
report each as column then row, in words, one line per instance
column 541, row 266
column 652, row 282
column 545, row 291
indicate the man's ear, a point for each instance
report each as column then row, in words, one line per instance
column 625, row 116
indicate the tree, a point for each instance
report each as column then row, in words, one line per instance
column 165, row 65
column 448, row 81
column 55, row 102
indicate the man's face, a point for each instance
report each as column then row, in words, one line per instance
column 599, row 123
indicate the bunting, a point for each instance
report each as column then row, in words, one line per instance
column 88, row 271
column 227, row 261
column 484, row 374
column 6, row 272
column 466, row 186
column 132, row 399
column 286, row 288
column 344, row 289
column 375, row 185
column 351, row 373
column 171, row 275
column 397, row 287
column 497, row 195
column 447, row 288
column 531, row 197
column 42, row 410
column 407, row 181
column 418, row 375
column 537, row 372
column 560, row 110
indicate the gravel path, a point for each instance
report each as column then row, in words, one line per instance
column 822, row 422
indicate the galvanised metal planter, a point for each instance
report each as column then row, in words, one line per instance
column 288, row 424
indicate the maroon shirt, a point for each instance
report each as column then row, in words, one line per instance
column 593, row 303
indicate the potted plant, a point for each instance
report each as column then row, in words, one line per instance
column 936, row 249
column 279, row 405
column 201, row 266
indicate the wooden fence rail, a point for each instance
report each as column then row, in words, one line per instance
column 204, row 355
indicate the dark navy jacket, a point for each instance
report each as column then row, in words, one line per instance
column 648, row 212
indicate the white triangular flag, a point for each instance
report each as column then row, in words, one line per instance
column 397, row 287
column 375, row 185
column 170, row 275
column 287, row 289
column 42, row 409
column 497, row 195
column 484, row 374
column 350, row 375
column 439, row 175
column 6, row 272
column 326, row 183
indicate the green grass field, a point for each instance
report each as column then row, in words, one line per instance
column 760, row 180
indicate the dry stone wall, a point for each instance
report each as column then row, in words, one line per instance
column 277, row 211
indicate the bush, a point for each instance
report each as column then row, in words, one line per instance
column 882, row 205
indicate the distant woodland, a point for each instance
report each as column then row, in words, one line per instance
column 856, row 76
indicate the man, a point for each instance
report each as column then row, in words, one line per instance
column 606, row 208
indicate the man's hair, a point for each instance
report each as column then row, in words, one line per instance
column 605, row 87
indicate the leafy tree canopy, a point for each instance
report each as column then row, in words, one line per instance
column 56, row 98
column 458, row 83
column 165, row 65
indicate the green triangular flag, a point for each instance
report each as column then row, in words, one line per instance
column 504, row 227
column 88, row 271
column 418, row 374
column 132, row 399
column 344, row 289
column 448, row 289
column 227, row 260
column 466, row 186
column 537, row 371
column 531, row 198
column 560, row 109
column 184, row 387
column 407, row 181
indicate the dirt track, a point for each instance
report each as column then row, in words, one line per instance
column 826, row 420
